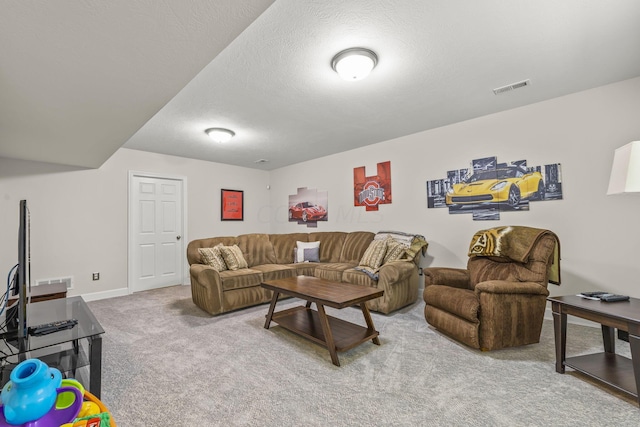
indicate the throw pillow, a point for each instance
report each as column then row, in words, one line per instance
column 312, row 255
column 374, row 255
column 213, row 257
column 233, row 257
column 395, row 250
column 301, row 253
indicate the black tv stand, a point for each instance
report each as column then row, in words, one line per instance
column 67, row 350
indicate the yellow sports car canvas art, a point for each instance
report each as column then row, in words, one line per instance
column 488, row 187
column 509, row 184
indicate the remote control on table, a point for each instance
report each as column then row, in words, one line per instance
column 593, row 294
column 613, row 298
column 48, row 328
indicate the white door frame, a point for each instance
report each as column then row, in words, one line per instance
column 183, row 240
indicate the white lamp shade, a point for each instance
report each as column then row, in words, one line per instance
column 220, row 134
column 354, row 64
column 625, row 172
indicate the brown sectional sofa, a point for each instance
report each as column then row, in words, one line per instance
column 271, row 256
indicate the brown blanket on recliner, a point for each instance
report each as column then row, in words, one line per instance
column 514, row 242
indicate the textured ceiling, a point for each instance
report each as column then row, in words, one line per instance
column 439, row 61
column 78, row 78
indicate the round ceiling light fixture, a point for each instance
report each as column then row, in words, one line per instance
column 354, row 63
column 220, row 134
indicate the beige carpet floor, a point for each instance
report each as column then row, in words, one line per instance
column 167, row 363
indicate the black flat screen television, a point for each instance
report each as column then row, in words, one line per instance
column 16, row 314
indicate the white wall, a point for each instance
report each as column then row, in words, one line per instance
column 79, row 217
column 599, row 234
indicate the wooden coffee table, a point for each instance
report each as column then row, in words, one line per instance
column 335, row 334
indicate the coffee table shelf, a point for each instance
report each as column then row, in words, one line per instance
column 610, row 368
column 306, row 322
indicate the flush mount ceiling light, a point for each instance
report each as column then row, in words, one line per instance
column 354, row 63
column 220, row 134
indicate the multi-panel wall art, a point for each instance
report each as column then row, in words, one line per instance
column 371, row 191
column 488, row 187
column 308, row 206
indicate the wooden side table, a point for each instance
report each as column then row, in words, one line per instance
column 608, row 367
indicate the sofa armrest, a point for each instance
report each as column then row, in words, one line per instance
column 399, row 281
column 454, row 277
column 206, row 288
column 509, row 287
column 396, row 271
column 203, row 269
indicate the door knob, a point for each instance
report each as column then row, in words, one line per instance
column 178, row 237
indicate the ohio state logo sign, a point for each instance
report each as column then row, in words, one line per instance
column 371, row 191
column 372, row 194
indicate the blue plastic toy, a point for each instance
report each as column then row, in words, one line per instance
column 55, row 417
column 31, row 391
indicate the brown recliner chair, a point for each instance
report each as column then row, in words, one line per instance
column 500, row 299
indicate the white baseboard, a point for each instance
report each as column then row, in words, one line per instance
column 94, row 296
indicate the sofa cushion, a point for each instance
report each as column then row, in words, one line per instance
column 307, row 252
column 415, row 242
column 395, row 250
column 193, row 256
column 213, row 257
column 308, row 255
column 330, row 244
column 355, row 245
column 373, row 256
column 284, row 244
column 332, row 271
column 239, row 279
column 304, row 268
column 233, row 257
column 274, row 271
column 257, row 249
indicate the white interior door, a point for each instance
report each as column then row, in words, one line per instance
column 156, row 244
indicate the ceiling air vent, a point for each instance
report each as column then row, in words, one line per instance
column 511, row 87
column 261, row 161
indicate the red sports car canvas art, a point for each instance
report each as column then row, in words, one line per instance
column 307, row 211
column 308, row 206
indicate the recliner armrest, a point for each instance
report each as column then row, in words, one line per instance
column 510, row 287
column 454, row 277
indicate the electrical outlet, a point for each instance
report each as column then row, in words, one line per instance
column 96, row 276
